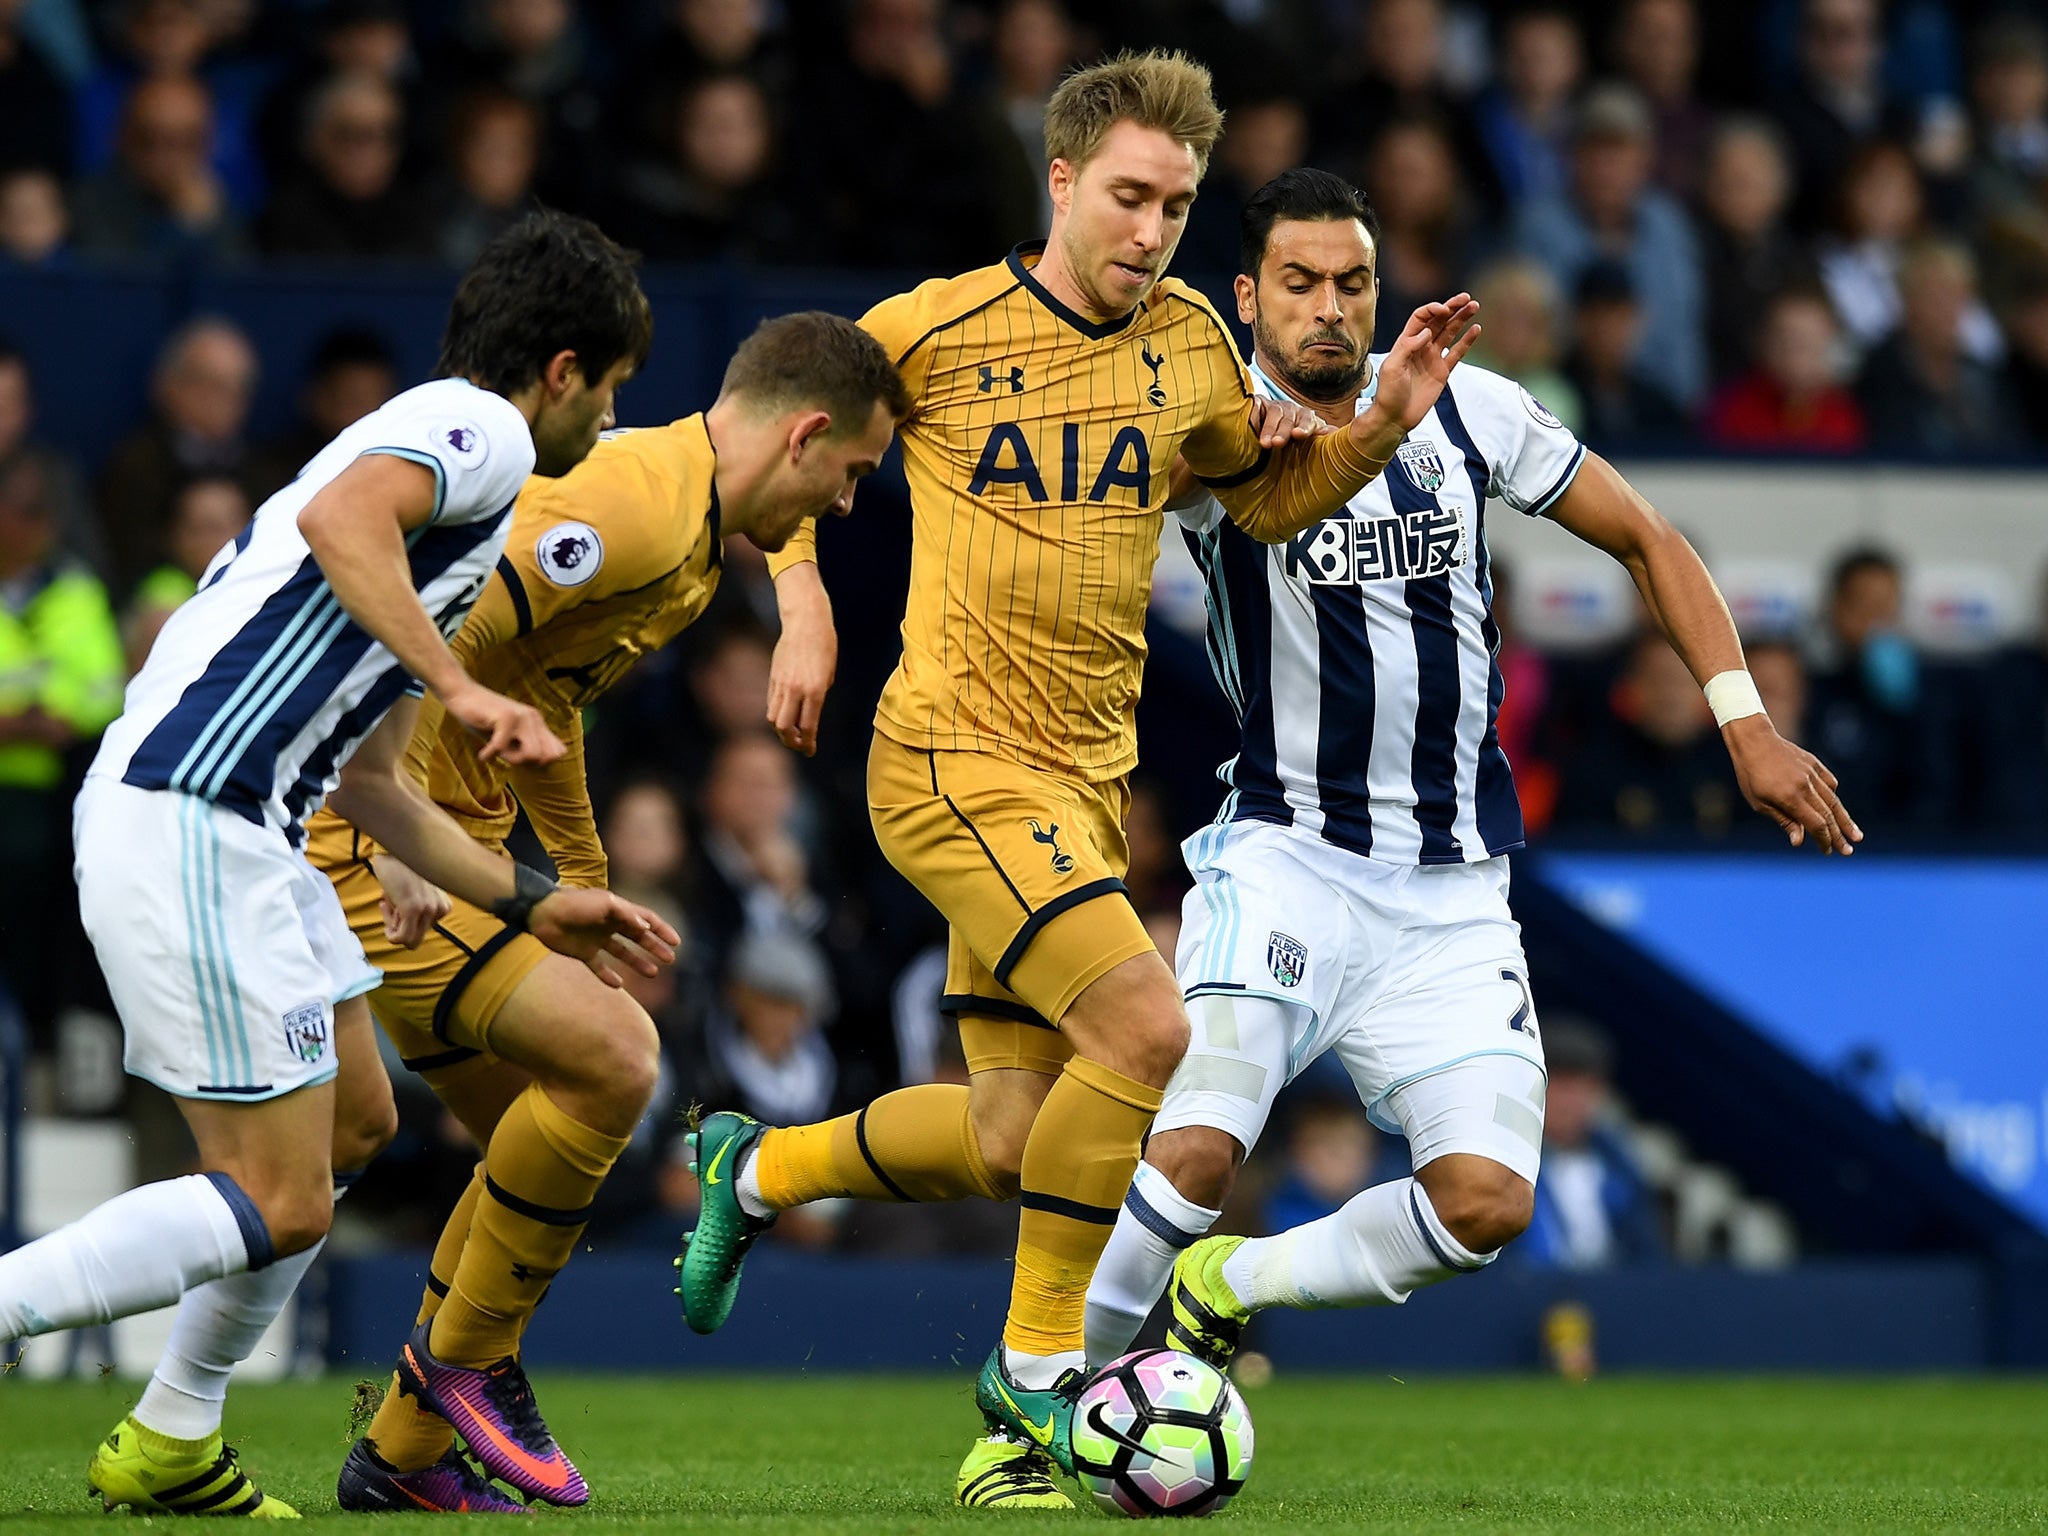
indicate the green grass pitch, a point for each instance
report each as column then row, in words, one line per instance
column 1367, row 1453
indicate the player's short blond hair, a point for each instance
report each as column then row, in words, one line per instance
column 1157, row 89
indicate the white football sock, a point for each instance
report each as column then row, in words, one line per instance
column 217, row 1327
column 1039, row 1372
column 747, row 1185
column 1381, row 1247
column 1156, row 1223
column 135, row 1252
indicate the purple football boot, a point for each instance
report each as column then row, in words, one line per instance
column 494, row 1412
column 371, row 1485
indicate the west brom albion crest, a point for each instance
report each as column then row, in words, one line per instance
column 1287, row 958
column 305, row 1031
column 1423, row 465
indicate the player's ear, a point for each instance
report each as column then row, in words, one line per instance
column 805, row 425
column 1247, row 291
column 561, row 371
column 1059, row 181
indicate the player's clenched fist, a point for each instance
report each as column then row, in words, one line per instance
column 596, row 926
column 1790, row 785
column 511, row 730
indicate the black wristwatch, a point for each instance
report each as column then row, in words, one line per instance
column 529, row 889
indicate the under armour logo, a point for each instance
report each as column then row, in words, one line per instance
column 1157, row 393
column 1062, row 861
column 990, row 378
column 526, row 1272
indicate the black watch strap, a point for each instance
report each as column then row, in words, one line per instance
column 529, row 889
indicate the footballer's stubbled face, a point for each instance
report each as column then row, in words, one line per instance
column 568, row 425
column 1118, row 217
column 1313, row 307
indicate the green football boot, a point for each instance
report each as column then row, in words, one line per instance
column 1208, row 1319
column 1001, row 1474
column 155, row 1475
column 712, row 1255
column 1041, row 1419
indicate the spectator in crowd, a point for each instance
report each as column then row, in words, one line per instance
column 1747, row 252
column 646, row 843
column 1866, row 707
column 1034, row 44
column 2026, row 365
column 1261, row 138
column 754, row 874
column 200, row 395
column 695, row 38
column 2009, row 97
column 208, row 512
column 1594, row 1209
column 910, row 190
column 1526, row 120
column 767, row 1045
column 1921, row 389
column 1794, row 398
column 1520, row 338
column 1883, row 211
column 1780, row 673
column 178, row 40
column 63, row 485
column 1330, row 1155
column 371, row 38
column 1612, row 210
column 538, row 49
column 35, row 109
column 1621, row 408
column 494, row 157
column 60, row 686
column 351, row 374
column 1839, row 103
column 350, row 198
column 716, row 198
column 1657, row 46
column 161, row 196
column 34, row 222
column 1400, row 75
column 1428, row 226
column 1525, row 697
column 1655, row 767
column 729, row 681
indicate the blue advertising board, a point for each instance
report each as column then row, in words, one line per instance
column 1915, row 982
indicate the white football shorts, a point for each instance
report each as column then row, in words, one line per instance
column 225, row 951
column 1413, row 974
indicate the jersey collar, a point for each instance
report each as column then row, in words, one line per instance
column 1365, row 395
column 1093, row 330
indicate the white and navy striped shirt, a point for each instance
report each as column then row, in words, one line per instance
column 260, row 687
column 1359, row 655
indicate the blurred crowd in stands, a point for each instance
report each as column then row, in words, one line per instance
column 1811, row 225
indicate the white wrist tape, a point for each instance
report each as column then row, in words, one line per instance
column 1733, row 696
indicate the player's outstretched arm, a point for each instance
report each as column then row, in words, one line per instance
column 1310, row 476
column 356, row 527
column 1779, row 779
column 595, row 927
column 806, row 657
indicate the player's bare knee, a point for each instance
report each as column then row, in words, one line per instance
column 365, row 1130
column 1483, row 1204
column 1200, row 1162
column 1001, row 1127
column 296, row 1211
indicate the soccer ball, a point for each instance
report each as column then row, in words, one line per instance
column 1161, row 1433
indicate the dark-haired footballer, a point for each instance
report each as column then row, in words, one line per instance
column 283, row 683
column 1352, row 893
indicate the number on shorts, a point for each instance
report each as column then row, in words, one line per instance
column 1526, row 1009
